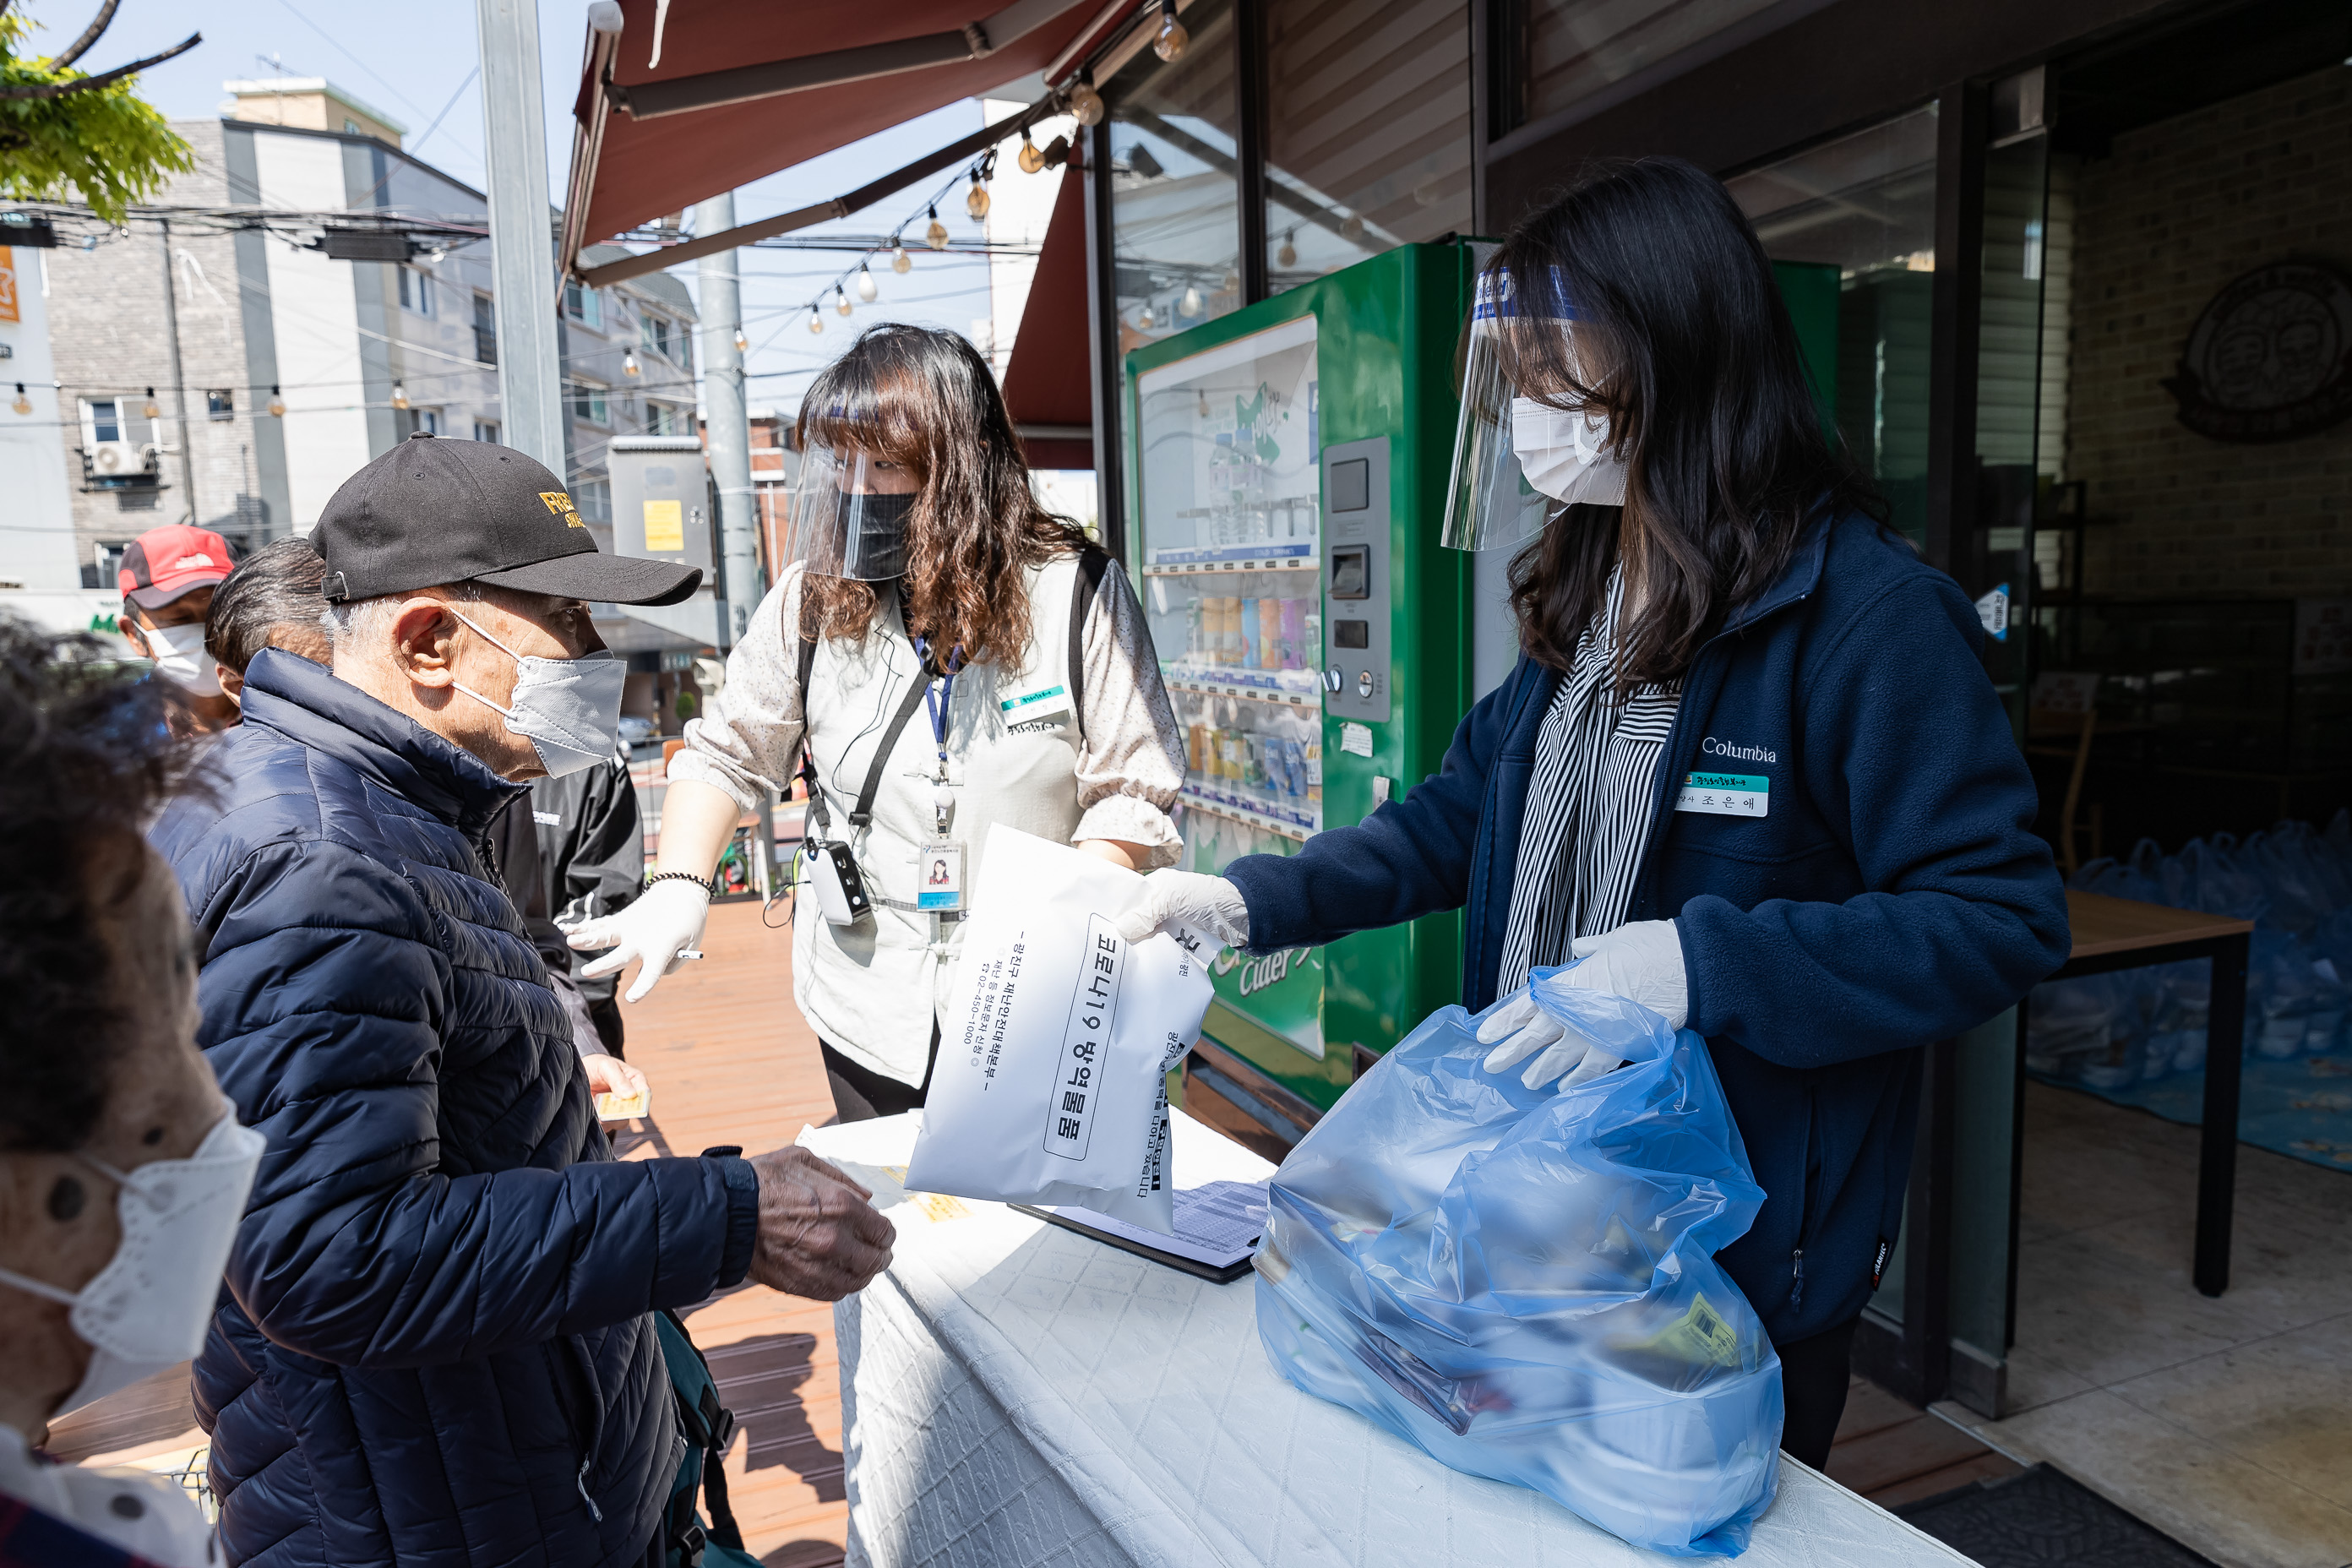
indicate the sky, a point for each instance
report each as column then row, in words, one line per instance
column 418, row 62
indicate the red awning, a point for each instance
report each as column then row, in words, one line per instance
column 1049, row 385
column 744, row 89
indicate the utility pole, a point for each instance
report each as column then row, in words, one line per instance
column 514, row 141
column 727, row 421
column 179, row 382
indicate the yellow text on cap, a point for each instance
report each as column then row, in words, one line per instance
column 560, row 505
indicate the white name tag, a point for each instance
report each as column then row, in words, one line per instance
column 1726, row 795
column 1034, row 706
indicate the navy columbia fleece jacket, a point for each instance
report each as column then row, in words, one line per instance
column 433, row 1348
column 1892, row 892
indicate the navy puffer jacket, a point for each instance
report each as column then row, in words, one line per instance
column 434, row 1349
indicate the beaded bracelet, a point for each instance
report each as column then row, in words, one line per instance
column 709, row 885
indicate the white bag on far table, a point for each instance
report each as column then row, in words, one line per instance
column 1051, row 1083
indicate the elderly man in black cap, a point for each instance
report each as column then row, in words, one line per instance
column 437, row 1344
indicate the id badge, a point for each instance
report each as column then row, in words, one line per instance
column 938, row 877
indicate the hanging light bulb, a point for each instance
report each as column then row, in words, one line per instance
column 1190, row 304
column 1085, row 104
column 742, row 343
column 23, row 405
column 1351, row 226
column 399, row 395
column 1031, row 160
column 901, row 262
column 975, row 200
column 1168, row 44
column 277, row 405
column 867, row 289
column 816, row 320
column 1232, row 281
column 1288, row 255
column 628, row 367
column 936, row 237
column 841, row 301
column 151, row 410
column 1145, row 320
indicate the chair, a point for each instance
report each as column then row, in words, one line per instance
column 2061, row 718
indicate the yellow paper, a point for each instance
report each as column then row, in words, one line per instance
column 623, row 1106
column 665, row 525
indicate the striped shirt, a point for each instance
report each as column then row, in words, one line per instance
column 1587, row 806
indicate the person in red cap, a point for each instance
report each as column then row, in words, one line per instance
column 167, row 578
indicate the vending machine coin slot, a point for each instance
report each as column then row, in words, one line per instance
column 1356, row 580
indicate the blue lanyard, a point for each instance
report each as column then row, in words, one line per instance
column 936, row 697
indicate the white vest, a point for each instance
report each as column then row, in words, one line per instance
column 872, row 990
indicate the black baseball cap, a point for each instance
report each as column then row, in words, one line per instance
column 431, row 511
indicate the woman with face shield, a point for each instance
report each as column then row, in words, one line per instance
column 1748, row 772
column 938, row 654
column 122, row 1172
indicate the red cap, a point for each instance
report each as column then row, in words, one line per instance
column 163, row 563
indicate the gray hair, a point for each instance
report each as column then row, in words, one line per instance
column 355, row 623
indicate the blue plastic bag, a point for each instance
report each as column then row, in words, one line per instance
column 1522, row 1283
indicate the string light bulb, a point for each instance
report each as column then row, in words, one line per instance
column 1031, row 160
column 1351, row 226
column 1232, row 281
column 1173, row 37
column 742, row 343
column 399, row 395
column 867, row 289
column 1145, row 318
column 841, row 299
column 23, row 405
column 1288, row 255
column 901, row 262
column 1190, row 304
column 277, row 405
column 936, row 237
column 975, row 201
column 628, row 366
column 151, row 410
column 1085, row 104
column 816, row 322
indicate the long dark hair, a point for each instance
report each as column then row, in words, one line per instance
column 1681, row 337
column 926, row 400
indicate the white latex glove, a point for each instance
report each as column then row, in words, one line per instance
column 1209, row 905
column 665, row 920
column 1642, row 961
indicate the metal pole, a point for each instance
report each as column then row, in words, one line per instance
column 179, row 388
column 514, row 139
column 728, row 423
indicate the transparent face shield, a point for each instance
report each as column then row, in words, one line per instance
column 849, row 517
column 1515, row 460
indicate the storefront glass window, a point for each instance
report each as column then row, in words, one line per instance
column 1368, row 131
column 1575, row 50
column 1851, row 228
column 1175, row 212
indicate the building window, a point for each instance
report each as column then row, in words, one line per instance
column 416, row 290
column 594, row 499
column 654, row 334
column 664, row 419
column 588, row 403
column 1368, row 139
column 427, row 420
column 1573, row 49
column 584, row 306
column 486, row 430
column 485, row 329
column 100, row 420
column 220, row 403
column 354, row 128
column 1175, row 211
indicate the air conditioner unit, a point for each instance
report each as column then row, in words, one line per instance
column 116, row 459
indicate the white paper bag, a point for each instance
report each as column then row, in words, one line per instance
column 1051, row 1081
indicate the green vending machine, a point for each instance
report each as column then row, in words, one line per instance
column 1286, row 475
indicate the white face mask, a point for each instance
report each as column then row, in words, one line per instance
column 149, row 1307
column 569, row 709
column 1564, row 453
column 180, row 657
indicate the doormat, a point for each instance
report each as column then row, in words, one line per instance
column 2301, row 1108
column 2041, row 1519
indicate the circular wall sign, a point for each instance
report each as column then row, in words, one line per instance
column 2271, row 358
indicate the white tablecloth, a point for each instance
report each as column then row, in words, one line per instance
column 1014, row 1394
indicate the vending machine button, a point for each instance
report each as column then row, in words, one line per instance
column 1333, row 678
column 1364, row 684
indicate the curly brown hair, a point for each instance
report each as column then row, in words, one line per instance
column 926, row 400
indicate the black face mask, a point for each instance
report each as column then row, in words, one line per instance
column 874, row 535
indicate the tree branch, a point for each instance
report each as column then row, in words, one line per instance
column 89, row 36
column 61, row 89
